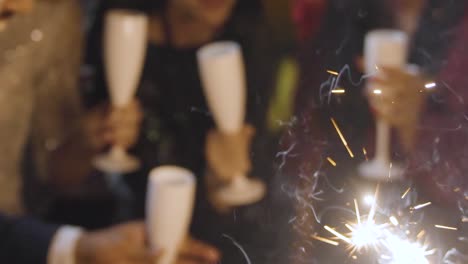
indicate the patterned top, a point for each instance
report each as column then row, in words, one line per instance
column 39, row 56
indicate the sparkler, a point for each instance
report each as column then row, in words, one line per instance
column 388, row 240
column 403, row 251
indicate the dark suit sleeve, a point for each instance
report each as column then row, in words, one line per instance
column 24, row 240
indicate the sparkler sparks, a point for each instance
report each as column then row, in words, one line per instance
column 430, row 85
column 406, row 193
column 369, row 200
column 394, row 221
column 419, row 206
column 338, row 91
column 364, row 151
column 332, row 162
column 388, row 239
column 403, row 251
column 338, row 234
column 332, row 72
column 342, row 137
column 325, row 240
column 446, row 227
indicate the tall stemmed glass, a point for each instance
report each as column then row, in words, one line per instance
column 169, row 206
column 125, row 40
column 223, row 77
column 383, row 48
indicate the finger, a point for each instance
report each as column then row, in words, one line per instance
column 197, row 249
column 134, row 233
column 126, row 137
column 144, row 256
column 189, row 261
column 131, row 116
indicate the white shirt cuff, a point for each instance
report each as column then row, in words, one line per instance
column 63, row 246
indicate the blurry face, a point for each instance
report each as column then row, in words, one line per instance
column 11, row 7
column 212, row 12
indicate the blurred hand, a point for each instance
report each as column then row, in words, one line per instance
column 196, row 252
column 106, row 126
column 122, row 244
column 400, row 102
column 16, row 6
column 228, row 154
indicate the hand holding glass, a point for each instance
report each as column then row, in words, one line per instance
column 383, row 48
column 125, row 39
column 222, row 74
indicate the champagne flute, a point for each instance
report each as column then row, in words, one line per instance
column 387, row 48
column 169, row 206
column 125, row 40
column 222, row 74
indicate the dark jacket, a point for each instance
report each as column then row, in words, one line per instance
column 24, row 240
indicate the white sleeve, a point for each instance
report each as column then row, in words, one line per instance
column 62, row 248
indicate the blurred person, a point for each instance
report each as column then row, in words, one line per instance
column 50, row 140
column 430, row 124
column 178, row 128
column 27, row 241
column 24, row 240
column 307, row 16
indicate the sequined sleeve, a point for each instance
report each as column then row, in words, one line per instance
column 39, row 101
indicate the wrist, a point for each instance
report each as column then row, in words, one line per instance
column 64, row 245
column 82, row 251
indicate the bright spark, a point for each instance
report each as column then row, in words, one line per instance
column 325, row 240
column 365, row 234
column 338, row 234
column 332, row 72
column 338, row 91
column 421, row 234
column 446, row 227
column 430, row 85
column 358, row 215
column 369, row 200
column 390, row 170
column 377, row 91
column 419, row 206
column 406, row 193
column 381, row 237
column 332, row 162
column 405, row 252
column 342, row 138
column 370, row 218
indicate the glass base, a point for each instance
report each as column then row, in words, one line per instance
column 381, row 170
column 116, row 164
column 242, row 191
